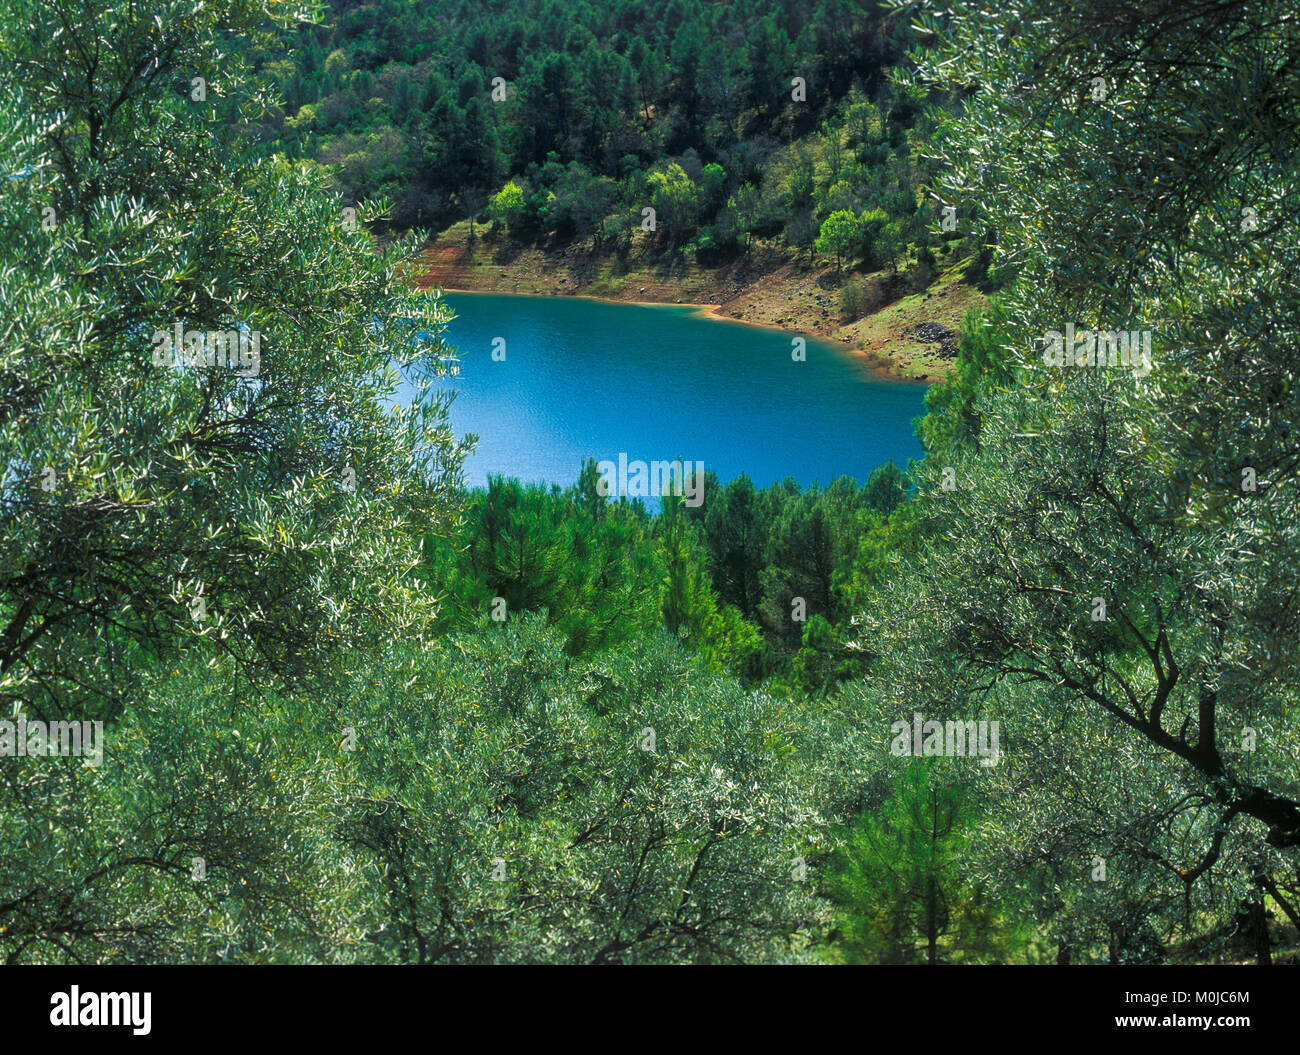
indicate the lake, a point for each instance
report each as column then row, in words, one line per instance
column 583, row 378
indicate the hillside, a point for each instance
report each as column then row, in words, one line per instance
column 913, row 337
column 763, row 158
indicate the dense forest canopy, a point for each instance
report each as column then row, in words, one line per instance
column 446, row 100
column 733, row 122
column 355, row 713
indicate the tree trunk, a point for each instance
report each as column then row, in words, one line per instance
column 1259, row 926
column 932, row 920
column 1273, row 889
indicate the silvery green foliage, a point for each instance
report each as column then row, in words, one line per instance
column 99, row 865
column 1125, row 735
column 147, row 507
column 496, row 805
column 501, row 748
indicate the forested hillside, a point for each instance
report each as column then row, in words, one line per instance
column 1027, row 700
column 740, row 125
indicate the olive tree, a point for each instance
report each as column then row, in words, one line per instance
column 1119, row 544
column 198, row 420
column 207, row 490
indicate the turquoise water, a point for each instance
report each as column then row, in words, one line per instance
column 583, row 379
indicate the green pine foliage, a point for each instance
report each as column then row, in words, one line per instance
column 898, row 877
column 563, row 123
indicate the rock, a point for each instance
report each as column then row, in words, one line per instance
column 933, row 333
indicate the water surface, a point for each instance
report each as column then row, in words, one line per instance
column 583, row 378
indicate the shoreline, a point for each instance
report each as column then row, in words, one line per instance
column 713, row 312
column 910, row 340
